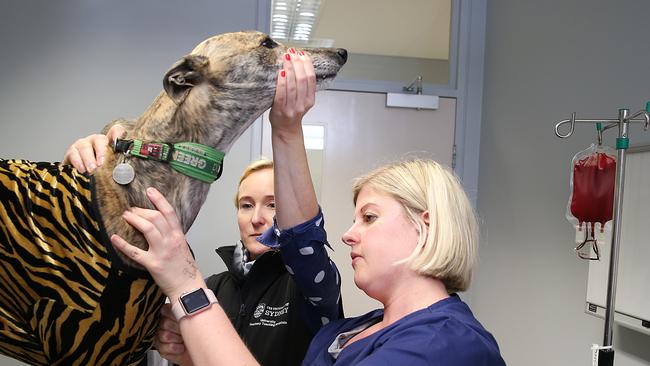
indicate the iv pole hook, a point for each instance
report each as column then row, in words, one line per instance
column 573, row 124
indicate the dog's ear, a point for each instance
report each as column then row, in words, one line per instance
column 183, row 75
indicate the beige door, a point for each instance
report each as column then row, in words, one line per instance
column 360, row 133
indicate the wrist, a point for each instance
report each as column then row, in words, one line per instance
column 189, row 286
column 287, row 135
column 193, row 302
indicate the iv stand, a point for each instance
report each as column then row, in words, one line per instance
column 606, row 353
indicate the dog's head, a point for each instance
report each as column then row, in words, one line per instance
column 243, row 62
column 228, row 81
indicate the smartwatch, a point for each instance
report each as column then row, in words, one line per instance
column 193, row 302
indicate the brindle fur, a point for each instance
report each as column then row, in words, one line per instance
column 211, row 97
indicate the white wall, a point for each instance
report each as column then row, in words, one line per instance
column 544, row 61
column 69, row 67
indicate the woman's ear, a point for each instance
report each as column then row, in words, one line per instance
column 423, row 230
column 425, row 217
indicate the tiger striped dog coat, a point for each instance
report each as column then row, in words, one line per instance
column 65, row 298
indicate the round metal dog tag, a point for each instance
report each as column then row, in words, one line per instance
column 123, row 173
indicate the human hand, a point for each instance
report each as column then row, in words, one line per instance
column 295, row 91
column 87, row 153
column 169, row 341
column 168, row 260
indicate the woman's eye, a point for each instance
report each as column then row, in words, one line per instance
column 271, row 205
column 245, row 206
column 369, row 218
column 269, row 43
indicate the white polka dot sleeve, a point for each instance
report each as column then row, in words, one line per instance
column 303, row 250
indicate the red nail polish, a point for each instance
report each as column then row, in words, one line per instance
column 288, row 57
column 283, row 73
column 292, row 50
column 301, row 53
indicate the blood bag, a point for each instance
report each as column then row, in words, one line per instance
column 593, row 177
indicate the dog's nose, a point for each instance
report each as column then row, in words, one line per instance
column 343, row 53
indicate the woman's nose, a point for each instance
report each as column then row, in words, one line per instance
column 258, row 217
column 349, row 237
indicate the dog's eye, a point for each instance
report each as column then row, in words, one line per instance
column 269, row 43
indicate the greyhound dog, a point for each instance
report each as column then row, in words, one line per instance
column 66, row 296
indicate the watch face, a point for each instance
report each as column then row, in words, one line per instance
column 194, row 301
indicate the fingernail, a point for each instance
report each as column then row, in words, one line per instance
column 301, row 53
column 91, row 166
column 288, row 57
column 292, row 50
column 283, row 73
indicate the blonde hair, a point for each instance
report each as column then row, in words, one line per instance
column 449, row 251
column 253, row 167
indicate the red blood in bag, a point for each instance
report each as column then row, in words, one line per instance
column 593, row 189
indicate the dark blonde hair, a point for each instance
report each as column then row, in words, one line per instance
column 253, row 167
column 449, row 251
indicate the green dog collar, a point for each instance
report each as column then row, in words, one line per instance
column 195, row 160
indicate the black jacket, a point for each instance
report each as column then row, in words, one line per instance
column 266, row 307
